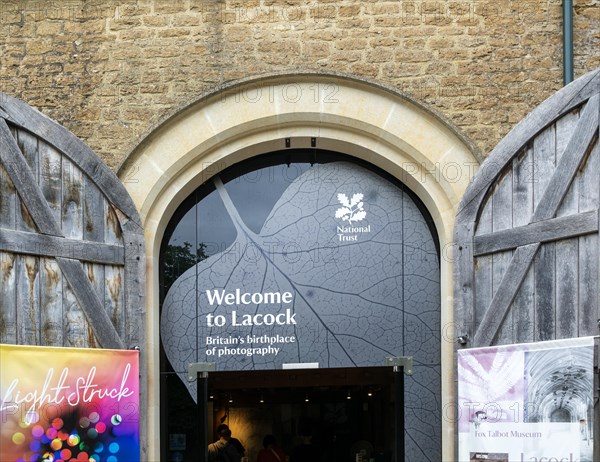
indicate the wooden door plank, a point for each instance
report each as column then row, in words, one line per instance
column 93, row 212
column 564, row 127
column 545, row 295
column 51, row 178
column 8, row 200
column 502, row 200
column 25, row 221
column 94, row 207
column 77, row 332
column 28, row 300
column 567, row 288
column 51, row 246
column 522, row 208
column 51, row 303
column 589, row 249
column 97, row 276
column 554, row 229
column 544, row 162
column 114, row 278
column 501, row 263
column 89, row 302
column 488, row 329
column 28, row 145
column 569, row 162
column 72, row 200
column 464, row 276
column 114, row 296
column 113, row 234
column 483, row 270
column 134, row 295
column 25, row 183
column 8, row 298
column 589, row 191
column 523, row 187
column 567, row 250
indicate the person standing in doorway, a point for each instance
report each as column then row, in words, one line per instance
column 223, row 450
column 236, row 443
column 271, row 452
column 306, row 451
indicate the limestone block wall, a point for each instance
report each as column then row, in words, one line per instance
column 110, row 70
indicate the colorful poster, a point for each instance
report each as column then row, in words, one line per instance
column 68, row 404
column 527, row 402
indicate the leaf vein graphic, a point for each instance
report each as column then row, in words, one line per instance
column 392, row 307
column 238, row 222
column 366, row 341
column 262, row 288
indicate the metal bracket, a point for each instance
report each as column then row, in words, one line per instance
column 463, row 339
column 203, row 368
column 406, row 362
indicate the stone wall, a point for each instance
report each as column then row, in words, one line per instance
column 110, row 70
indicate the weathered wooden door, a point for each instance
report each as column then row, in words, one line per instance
column 527, row 228
column 71, row 243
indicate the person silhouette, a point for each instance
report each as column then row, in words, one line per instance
column 271, row 452
column 223, row 450
column 238, row 445
column 306, row 451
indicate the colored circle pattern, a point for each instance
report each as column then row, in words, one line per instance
column 57, row 444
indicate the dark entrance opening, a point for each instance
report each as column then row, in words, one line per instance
column 349, row 411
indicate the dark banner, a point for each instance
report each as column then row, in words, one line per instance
column 344, row 272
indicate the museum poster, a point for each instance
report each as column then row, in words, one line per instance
column 69, row 404
column 527, row 402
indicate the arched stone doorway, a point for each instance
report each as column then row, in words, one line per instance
column 365, row 120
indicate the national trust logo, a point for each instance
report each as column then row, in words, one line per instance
column 351, row 211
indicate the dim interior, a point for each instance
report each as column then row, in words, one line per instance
column 348, row 411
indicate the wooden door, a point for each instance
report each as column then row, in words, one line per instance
column 71, row 243
column 527, row 228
